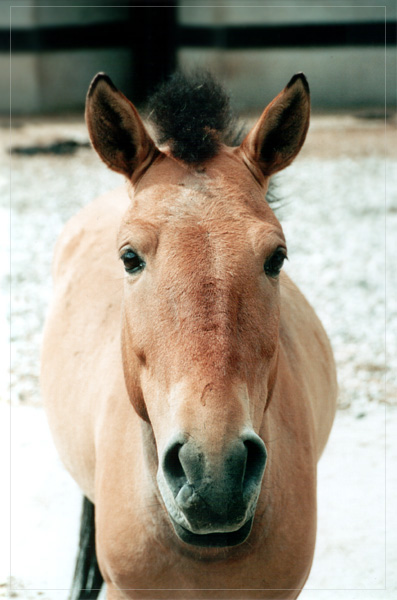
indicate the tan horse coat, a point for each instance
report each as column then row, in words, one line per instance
column 109, row 343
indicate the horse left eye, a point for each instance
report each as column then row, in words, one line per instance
column 274, row 264
column 132, row 262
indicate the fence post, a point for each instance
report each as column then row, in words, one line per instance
column 153, row 42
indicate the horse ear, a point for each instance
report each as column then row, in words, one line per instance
column 281, row 130
column 115, row 127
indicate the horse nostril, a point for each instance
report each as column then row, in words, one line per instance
column 173, row 469
column 233, row 479
column 255, row 462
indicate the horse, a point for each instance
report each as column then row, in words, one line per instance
column 189, row 386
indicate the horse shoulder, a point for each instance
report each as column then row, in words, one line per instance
column 81, row 362
column 308, row 358
column 94, row 226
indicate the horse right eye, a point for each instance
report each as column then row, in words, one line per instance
column 132, row 262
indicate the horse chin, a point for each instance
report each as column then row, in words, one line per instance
column 217, row 539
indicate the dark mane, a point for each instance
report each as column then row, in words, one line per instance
column 191, row 113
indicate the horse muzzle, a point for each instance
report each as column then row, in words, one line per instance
column 211, row 497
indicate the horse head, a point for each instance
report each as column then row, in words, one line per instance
column 202, row 252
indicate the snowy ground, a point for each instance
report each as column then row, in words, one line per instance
column 339, row 202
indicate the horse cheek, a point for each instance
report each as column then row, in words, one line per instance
column 132, row 364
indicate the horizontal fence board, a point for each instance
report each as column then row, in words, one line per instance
column 115, row 35
column 281, row 36
column 79, row 37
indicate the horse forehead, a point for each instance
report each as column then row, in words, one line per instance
column 218, row 189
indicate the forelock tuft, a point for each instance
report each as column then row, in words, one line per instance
column 192, row 115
